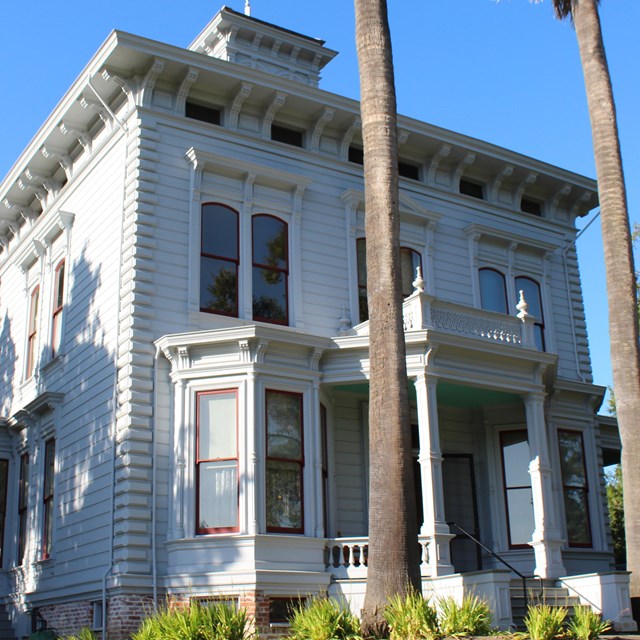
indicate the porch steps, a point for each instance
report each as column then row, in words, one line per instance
column 538, row 592
column 6, row 629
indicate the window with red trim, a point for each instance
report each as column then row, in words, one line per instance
column 518, row 495
column 32, row 333
column 219, row 260
column 575, row 488
column 4, row 479
column 285, row 462
column 23, row 503
column 270, row 269
column 58, row 303
column 217, row 461
column 47, row 496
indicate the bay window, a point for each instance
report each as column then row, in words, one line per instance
column 217, row 461
column 284, row 463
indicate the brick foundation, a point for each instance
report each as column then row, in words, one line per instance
column 125, row 613
column 68, row 618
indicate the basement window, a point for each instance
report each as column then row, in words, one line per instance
column 470, row 188
column 531, row 206
column 203, row 113
column 281, row 609
column 286, row 135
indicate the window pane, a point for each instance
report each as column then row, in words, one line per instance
column 217, row 425
column 59, row 287
column 4, row 474
column 576, row 511
column 409, row 262
column 219, row 231
column 218, row 495
column 361, row 250
column 269, row 242
column 516, row 457
column 219, row 286
column 49, row 467
column 572, row 459
column 269, row 295
column 531, row 291
column 284, row 495
column 493, row 295
column 521, row 524
column 284, row 426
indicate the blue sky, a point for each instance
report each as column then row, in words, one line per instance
column 505, row 72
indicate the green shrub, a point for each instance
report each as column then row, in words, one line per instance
column 470, row 618
column 411, row 617
column 586, row 624
column 216, row 621
column 323, row 618
column 544, row 622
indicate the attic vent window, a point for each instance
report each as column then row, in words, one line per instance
column 408, row 170
column 356, row 155
column 531, row 206
column 473, row 189
column 202, row 112
column 286, row 135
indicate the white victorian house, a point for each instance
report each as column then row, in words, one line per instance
column 184, row 348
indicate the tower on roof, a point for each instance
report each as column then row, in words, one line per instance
column 239, row 38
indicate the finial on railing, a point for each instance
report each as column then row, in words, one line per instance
column 522, row 307
column 418, row 283
column 247, row 7
column 345, row 323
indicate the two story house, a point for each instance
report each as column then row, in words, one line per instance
column 184, row 348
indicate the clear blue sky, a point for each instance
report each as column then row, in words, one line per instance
column 505, row 72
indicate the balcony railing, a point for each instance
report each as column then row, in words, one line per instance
column 348, row 557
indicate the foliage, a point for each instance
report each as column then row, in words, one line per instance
column 544, row 622
column 470, row 618
column 323, row 619
column 616, row 514
column 84, row 634
column 215, row 621
column 411, row 617
column 586, row 624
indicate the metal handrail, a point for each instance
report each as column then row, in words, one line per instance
column 500, row 559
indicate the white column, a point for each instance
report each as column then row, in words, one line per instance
column 430, row 458
column 547, row 539
column 251, row 461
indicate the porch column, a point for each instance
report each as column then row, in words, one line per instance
column 547, row 539
column 434, row 527
column 250, row 422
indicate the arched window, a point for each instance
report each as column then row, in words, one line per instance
column 533, row 298
column 493, row 291
column 410, row 260
column 219, row 260
column 270, row 269
column 32, row 331
column 58, row 303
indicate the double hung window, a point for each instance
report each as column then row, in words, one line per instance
column 575, row 488
column 493, row 290
column 48, row 511
column 4, row 479
column 285, row 462
column 58, row 303
column 531, row 291
column 217, row 461
column 23, row 504
column 32, row 331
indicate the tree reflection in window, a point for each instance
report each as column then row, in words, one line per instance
column 285, row 462
column 270, row 269
column 575, row 488
column 219, row 259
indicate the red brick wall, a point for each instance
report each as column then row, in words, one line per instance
column 68, row 618
column 125, row 613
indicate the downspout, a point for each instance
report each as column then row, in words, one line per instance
column 566, row 278
column 124, row 130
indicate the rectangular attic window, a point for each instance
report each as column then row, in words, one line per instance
column 470, row 188
column 531, row 206
column 286, row 135
column 408, row 170
column 356, row 155
column 202, row 112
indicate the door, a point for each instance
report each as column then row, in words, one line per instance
column 461, row 507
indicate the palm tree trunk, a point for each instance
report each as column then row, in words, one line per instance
column 620, row 272
column 393, row 550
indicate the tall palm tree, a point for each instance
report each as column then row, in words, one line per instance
column 618, row 255
column 393, row 550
